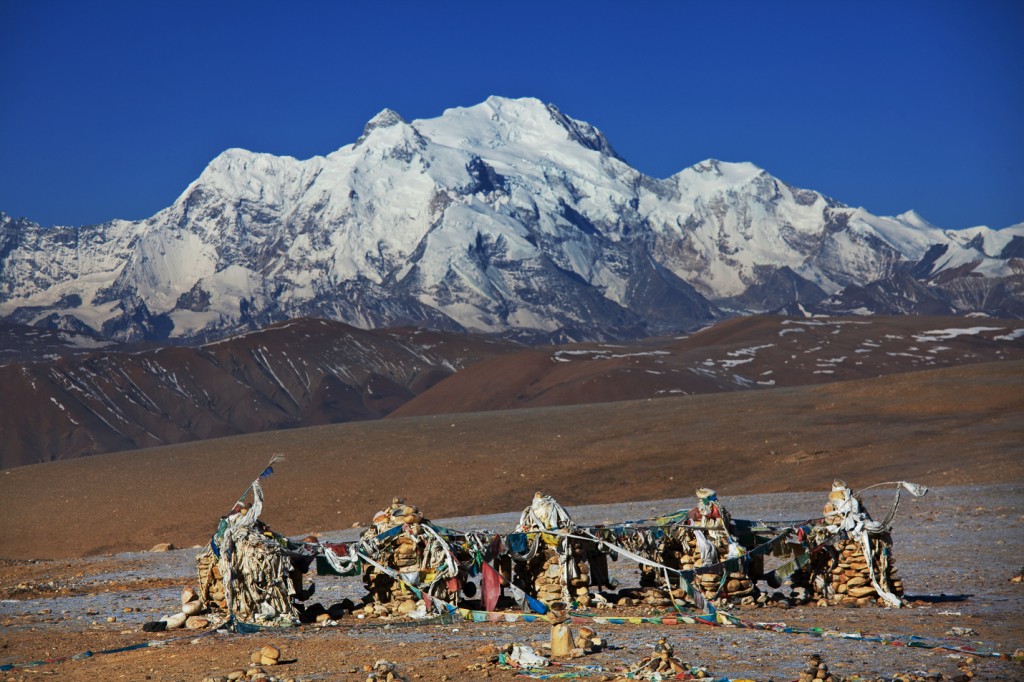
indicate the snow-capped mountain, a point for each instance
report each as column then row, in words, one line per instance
column 505, row 217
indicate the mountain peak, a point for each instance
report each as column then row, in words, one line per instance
column 386, row 118
column 499, row 102
column 500, row 121
column 913, row 218
column 723, row 172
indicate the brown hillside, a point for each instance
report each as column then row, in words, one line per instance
column 748, row 353
column 940, row 427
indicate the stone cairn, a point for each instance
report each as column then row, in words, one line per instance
column 682, row 550
column 842, row 574
column 414, row 553
column 816, row 670
column 664, row 665
column 264, row 581
column 211, row 582
column 559, row 571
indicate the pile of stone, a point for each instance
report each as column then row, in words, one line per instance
column 405, row 554
column 265, row 568
column 266, row 656
column 414, row 553
column 736, row 587
column 189, row 617
column 588, row 641
column 681, row 550
column 382, row 670
column 851, row 575
column 560, row 570
column 848, row 571
column 398, row 514
column 664, row 665
column 816, row 671
column 211, row 582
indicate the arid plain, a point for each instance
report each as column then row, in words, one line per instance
column 959, row 429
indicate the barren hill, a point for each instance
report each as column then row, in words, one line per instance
column 744, row 353
column 67, row 397
column 957, row 425
column 297, row 373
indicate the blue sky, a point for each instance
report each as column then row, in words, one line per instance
column 109, row 109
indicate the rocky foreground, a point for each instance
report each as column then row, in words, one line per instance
column 958, row 550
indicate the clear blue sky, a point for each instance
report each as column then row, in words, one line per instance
column 109, row 109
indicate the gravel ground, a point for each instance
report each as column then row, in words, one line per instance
column 956, row 549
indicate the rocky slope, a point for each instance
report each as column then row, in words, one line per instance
column 506, row 217
column 752, row 353
column 297, row 373
column 84, row 401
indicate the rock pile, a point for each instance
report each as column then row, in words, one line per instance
column 211, row 583
column 557, row 569
column 706, row 537
column 421, row 557
column 267, row 656
column 851, row 575
column 189, row 616
column 265, row 568
column 816, row 671
column 588, row 640
column 560, row 571
column 402, row 554
column 382, row 670
column 858, row 568
column 664, row 665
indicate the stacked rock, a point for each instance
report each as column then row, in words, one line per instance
column 545, row 575
column 211, row 583
column 404, row 555
column 664, row 665
column 588, row 640
column 711, row 520
column 267, row 655
column 851, row 575
column 671, row 551
column 397, row 514
column 560, row 570
column 382, row 670
column 258, row 563
column 418, row 554
column 816, row 671
column 858, row 569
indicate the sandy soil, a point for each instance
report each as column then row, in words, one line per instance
column 956, row 550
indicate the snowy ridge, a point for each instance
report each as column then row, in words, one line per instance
column 506, row 217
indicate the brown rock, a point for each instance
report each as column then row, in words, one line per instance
column 196, row 622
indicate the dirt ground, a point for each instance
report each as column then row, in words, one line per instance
column 63, row 590
column 957, row 550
